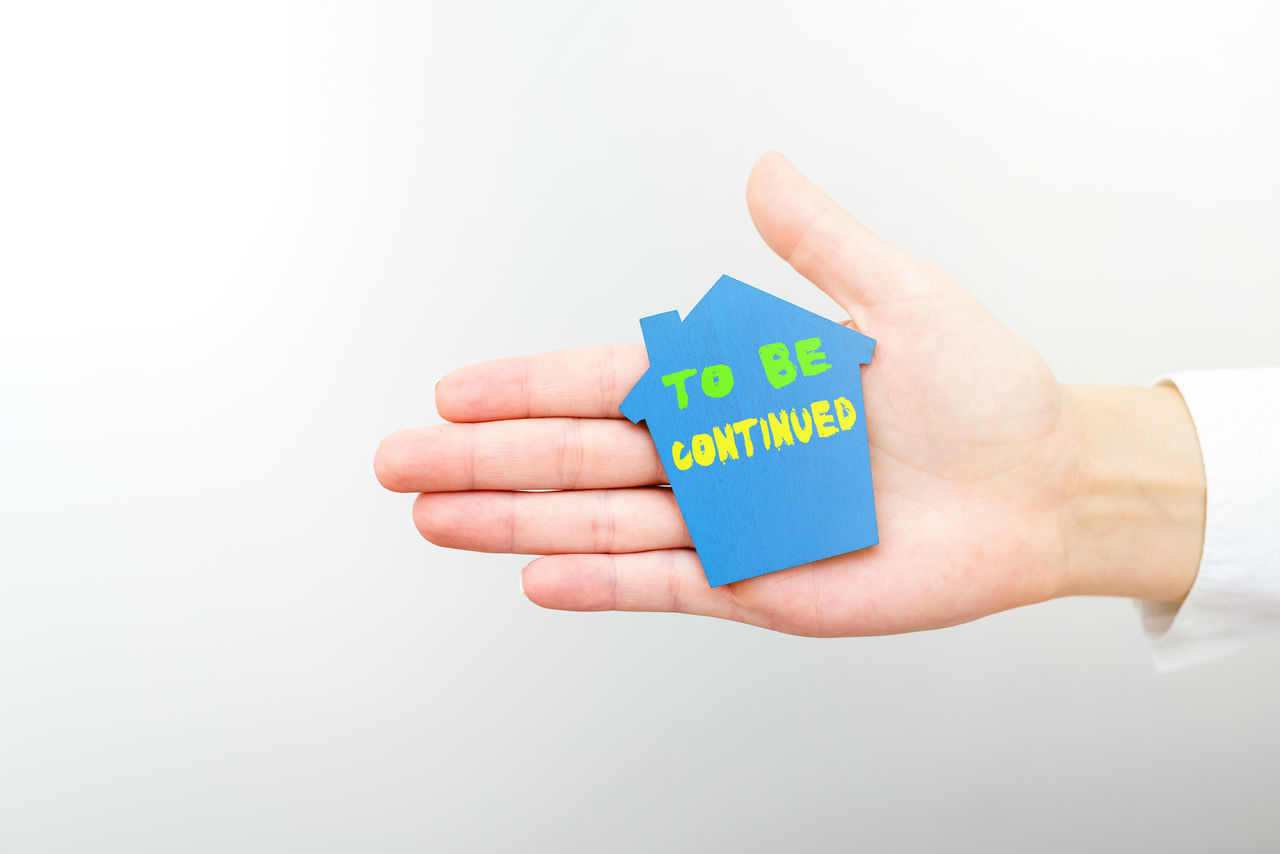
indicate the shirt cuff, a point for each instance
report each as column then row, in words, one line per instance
column 1235, row 600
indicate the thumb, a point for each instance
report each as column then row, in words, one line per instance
column 828, row 246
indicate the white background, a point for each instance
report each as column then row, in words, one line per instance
column 238, row 244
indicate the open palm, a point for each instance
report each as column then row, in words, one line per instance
column 973, row 453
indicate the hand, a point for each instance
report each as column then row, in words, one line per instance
column 995, row 485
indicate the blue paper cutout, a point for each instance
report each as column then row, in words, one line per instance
column 743, row 354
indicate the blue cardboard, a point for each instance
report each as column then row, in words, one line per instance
column 755, row 407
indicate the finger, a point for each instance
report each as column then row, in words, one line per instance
column 585, row 383
column 668, row 580
column 540, row 523
column 828, row 246
column 542, row 453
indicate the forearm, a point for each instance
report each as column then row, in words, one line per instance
column 1136, row 506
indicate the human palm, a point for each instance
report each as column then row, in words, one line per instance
column 971, row 438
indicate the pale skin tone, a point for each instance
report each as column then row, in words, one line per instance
column 995, row 485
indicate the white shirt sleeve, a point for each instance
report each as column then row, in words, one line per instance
column 1235, row 599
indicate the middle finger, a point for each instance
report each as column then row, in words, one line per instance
column 541, row 453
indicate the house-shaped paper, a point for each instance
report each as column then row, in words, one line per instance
column 755, row 407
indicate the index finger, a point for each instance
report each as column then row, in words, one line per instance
column 589, row 382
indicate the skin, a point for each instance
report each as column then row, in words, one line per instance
column 996, row 486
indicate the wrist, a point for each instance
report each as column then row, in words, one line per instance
column 1135, row 511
